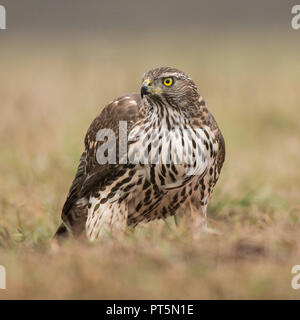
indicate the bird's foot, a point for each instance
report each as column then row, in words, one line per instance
column 202, row 228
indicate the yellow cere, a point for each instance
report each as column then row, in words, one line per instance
column 147, row 82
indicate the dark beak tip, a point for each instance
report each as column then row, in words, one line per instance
column 144, row 91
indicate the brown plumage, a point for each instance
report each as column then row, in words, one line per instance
column 175, row 155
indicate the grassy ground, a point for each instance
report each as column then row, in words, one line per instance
column 48, row 99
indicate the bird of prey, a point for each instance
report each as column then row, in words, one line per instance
column 174, row 154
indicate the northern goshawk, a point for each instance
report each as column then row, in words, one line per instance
column 146, row 155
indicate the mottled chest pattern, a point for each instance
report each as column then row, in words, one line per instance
column 168, row 163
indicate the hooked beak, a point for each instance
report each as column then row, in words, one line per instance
column 146, row 88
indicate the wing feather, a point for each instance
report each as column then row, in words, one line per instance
column 91, row 176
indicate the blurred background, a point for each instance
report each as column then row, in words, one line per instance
column 62, row 61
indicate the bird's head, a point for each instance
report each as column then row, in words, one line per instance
column 169, row 85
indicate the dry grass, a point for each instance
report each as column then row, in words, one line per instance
column 48, row 99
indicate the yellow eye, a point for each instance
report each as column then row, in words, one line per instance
column 168, row 82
